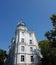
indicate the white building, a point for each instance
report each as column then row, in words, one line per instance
column 24, row 49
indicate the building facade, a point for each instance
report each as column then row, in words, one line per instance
column 24, row 49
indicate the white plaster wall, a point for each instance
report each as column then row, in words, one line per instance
column 27, row 53
column 27, row 49
column 19, row 58
column 19, row 49
column 16, row 37
column 35, row 59
column 27, row 38
column 15, row 59
column 34, row 40
column 28, row 58
column 21, row 36
column 15, row 48
column 27, row 46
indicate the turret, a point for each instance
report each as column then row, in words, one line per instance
column 21, row 25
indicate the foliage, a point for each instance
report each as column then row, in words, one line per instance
column 44, row 46
column 49, row 54
column 3, row 55
column 48, row 47
column 51, row 35
column 53, row 18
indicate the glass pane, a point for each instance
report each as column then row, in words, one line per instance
column 22, row 58
column 32, row 59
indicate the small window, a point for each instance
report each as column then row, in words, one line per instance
column 30, row 41
column 32, row 59
column 22, row 48
column 31, row 49
column 30, row 34
column 23, row 32
column 22, row 58
column 22, row 40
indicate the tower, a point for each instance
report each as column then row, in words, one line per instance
column 24, row 48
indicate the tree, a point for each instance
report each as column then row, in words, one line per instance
column 3, row 55
column 44, row 45
column 48, row 48
column 51, row 35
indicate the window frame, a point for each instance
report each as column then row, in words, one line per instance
column 30, row 41
column 23, row 32
column 22, row 58
column 32, row 59
column 22, row 48
column 30, row 34
column 31, row 49
column 22, row 40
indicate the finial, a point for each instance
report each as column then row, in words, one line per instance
column 21, row 23
column 21, row 20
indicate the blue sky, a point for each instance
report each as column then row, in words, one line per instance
column 36, row 15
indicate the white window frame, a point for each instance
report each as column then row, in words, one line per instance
column 22, row 40
column 22, row 48
column 30, row 41
column 31, row 49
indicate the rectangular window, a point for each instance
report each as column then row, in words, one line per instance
column 30, row 34
column 23, row 32
column 22, row 48
column 30, row 41
column 22, row 58
column 32, row 59
column 31, row 49
column 22, row 40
